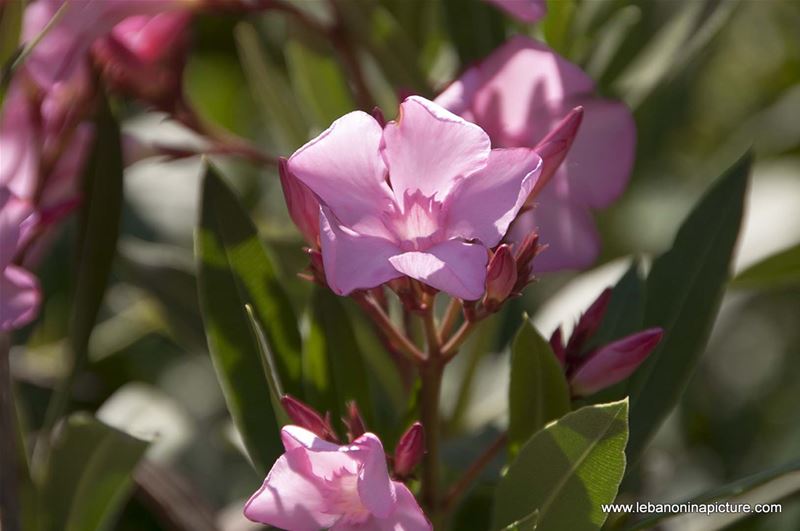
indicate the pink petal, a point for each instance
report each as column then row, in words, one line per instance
column 148, row 37
column 408, row 515
column 291, row 497
column 297, row 437
column 523, row 10
column 428, row 149
column 600, row 161
column 484, row 205
column 20, row 297
column 344, row 168
column 376, row 490
column 302, row 204
column 14, row 213
column 455, row 267
column 567, row 229
column 354, row 261
column 19, row 163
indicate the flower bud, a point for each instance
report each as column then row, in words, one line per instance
column 525, row 253
column 356, row 427
column 557, row 344
column 302, row 204
column 614, row 362
column 501, row 277
column 554, row 147
column 588, row 323
column 307, row 417
column 410, row 450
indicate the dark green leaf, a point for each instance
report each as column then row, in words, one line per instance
column 10, row 24
column 333, row 366
column 528, row 523
column 683, row 294
column 88, row 476
column 268, row 365
column 234, row 269
column 768, row 486
column 566, row 471
column 538, row 391
column 781, row 269
column 476, row 28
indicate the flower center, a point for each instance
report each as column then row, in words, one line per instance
column 343, row 499
column 419, row 225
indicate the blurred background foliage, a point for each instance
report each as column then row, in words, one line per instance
column 706, row 79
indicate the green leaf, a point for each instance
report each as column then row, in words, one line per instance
column 268, row 365
column 779, row 270
column 97, row 247
column 271, row 91
column 768, row 486
column 312, row 65
column 556, row 25
column 476, row 28
column 10, row 25
column 333, row 366
column 538, row 391
column 89, row 475
column 683, row 293
column 234, row 269
column 566, row 471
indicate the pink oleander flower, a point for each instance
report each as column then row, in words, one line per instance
column 523, row 10
column 143, row 56
column 19, row 290
column 317, row 484
column 64, row 48
column 517, row 95
column 425, row 196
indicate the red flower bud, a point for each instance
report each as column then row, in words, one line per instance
column 307, row 417
column 554, row 147
column 524, row 255
column 302, row 204
column 614, row 362
column 410, row 450
column 557, row 344
column 356, row 427
column 588, row 323
column 501, row 277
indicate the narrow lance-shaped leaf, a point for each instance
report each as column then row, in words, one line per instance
column 528, row 523
column 538, row 391
column 89, row 476
column 234, row 269
column 268, row 364
column 780, row 269
column 566, row 471
column 683, row 294
column 97, row 246
column 333, row 367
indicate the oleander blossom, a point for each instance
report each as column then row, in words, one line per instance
column 424, row 196
column 517, row 94
column 317, row 484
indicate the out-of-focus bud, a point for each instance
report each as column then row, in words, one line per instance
column 302, row 204
column 524, row 255
column 409, row 451
column 316, row 268
column 613, row 362
column 501, row 277
column 307, row 417
column 354, row 422
column 557, row 344
column 554, row 147
column 588, row 323
column 144, row 56
column 377, row 113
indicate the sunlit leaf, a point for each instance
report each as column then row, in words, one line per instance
column 778, row 270
column 566, row 471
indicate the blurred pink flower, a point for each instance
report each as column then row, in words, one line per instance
column 523, row 10
column 614, row 362
column 19, row 289
column 65, row 46
column 317, row 484
column 517, row 95
column 425, row 196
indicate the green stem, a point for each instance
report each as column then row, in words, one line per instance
column 431, row 379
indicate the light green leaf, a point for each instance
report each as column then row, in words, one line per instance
column 333, row 366
column 88, row 477
column 317, row 77
column 566, row 471
column 268, row 365
column 538, row 391
column 528, row 523
column 234, row 269
column 768, row 486
column 683, row 293
column 780, row 269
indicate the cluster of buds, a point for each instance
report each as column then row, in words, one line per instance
column 603, row 366
column 407, row 455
